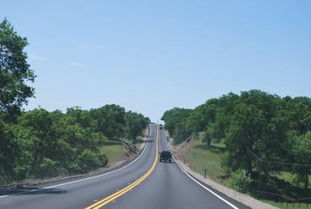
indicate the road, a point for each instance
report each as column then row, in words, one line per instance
column 163, row 186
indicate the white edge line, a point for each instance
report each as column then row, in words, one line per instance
column 185, row 172
column 85, row 179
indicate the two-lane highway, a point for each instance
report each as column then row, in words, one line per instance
column 169, row 188
column 142, row 184
column 83, row 192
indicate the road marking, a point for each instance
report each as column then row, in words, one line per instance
column 196, row 181
column 130, row 187
column 85, row 179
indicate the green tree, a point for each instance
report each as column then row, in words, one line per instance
column 8, row 153
column 109, row 120
column 15, row 76
column 302, row 156
column 176, row 123
column 39, row 124
column 257, row 132
column 135, row 124
column 15, row 73
column 299, row 113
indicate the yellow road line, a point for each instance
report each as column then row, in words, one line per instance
column 121, row 192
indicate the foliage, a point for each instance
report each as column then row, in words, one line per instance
column 110, row 119
column 264, row 134
column 175, row 122
column 44, row 144
column 135, row 124
column 8, row 153
column 89, row 160
column 239, row 181
column 14, row 70
column 302, row 155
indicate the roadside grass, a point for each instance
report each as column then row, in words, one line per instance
column 282, row 194
column 200, row 156
column 117, row 149
column 285, row 205
column 139, row 140
column 114, row 150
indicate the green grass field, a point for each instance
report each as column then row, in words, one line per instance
column 114, row 150
column 201, row 157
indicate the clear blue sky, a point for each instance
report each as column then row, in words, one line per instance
column 150, row 56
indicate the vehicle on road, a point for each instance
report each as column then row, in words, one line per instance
column 165, row 156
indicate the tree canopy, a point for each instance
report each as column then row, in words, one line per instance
column 15, row 73
column 263, row 133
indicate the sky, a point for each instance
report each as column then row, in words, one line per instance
column 150, row 56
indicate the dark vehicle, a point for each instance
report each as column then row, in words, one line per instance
column 165, row 156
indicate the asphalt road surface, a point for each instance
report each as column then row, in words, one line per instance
column 167, row 187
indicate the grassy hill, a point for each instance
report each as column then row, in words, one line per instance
column 200, row 156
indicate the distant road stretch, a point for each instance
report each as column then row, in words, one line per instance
column 142, row 184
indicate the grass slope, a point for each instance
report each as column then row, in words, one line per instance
column 117, row 150
column 199, row 156
column 114, row 150
column 202, row 157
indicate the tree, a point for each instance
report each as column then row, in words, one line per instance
column 8, row 153
column 245, row 130
column 135, row 124
column 15, row 73
column 14, row 91
column 299, row 113
column 302, row 155
column 257, row 132
column 41, row 136
column 109, row 120
column 176, row 123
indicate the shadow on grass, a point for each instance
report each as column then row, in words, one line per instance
column 280, row 191
column 212, row 148
column 116, row 142
column 140, row 141
column 112, row 143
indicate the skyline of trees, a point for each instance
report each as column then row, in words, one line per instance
column 263, row 133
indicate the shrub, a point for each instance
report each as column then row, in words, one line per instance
column 89, row 160
column 239, row 182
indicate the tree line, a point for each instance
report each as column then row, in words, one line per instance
column 39, row 143
column 264, row 134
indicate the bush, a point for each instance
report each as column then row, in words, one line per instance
column 89, row 160
column 48, row 168
column 239, row 182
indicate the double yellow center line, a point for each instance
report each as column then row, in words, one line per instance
column 121, row 192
